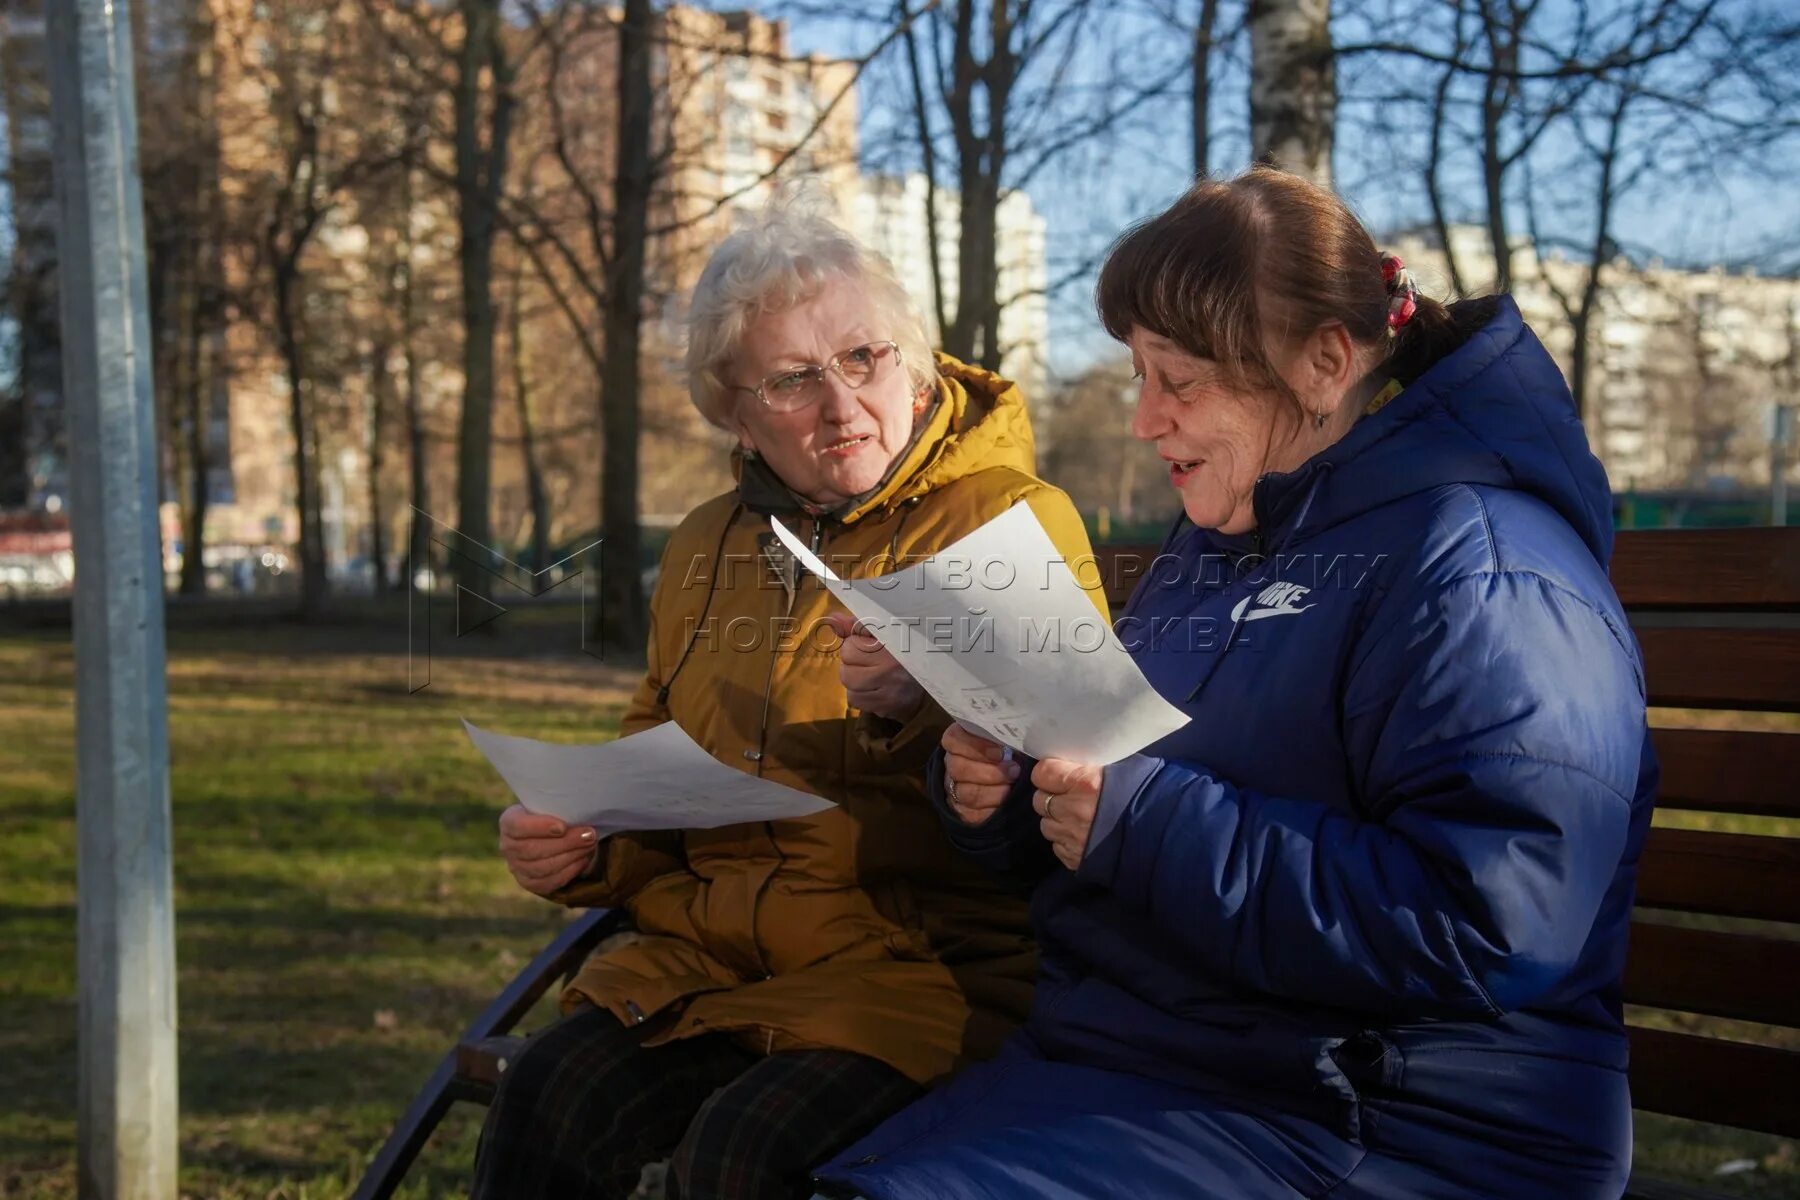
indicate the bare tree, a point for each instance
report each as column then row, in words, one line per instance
column 1434, row 156
column 484, row 112
column 604, row 200
column 1662, row 122
column 1006, row 78
column 1293, row 86
column 1205, row 40
column 1210, row 37
column 179, row 165
column 633, row 178
column 295, row 53
column 1506, row 72
column 537, row 502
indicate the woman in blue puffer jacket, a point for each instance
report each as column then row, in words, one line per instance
column 1358, row 929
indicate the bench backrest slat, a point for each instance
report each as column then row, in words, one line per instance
column 1725, row 874
column 1723, row 668
column 1710, row 1079
column 1736, row 975
column 1729, row 770
column 1721, row 569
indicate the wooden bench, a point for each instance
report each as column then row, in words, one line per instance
column 1717, row 613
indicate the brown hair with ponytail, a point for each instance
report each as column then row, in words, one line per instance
column 1236, row 267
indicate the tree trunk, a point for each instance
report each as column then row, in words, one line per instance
column 534, row 475
column 622, row 608
column 977, row 301
column 378, row 393
column 313, row 584
column 1583, row 317
column 1434, row 161
column 166, row 279
column 480, row 173
column 1493, row 180
column 1503, row 25
column 1293, row 86
column 198, row 383
column 1203, row 49
column 204, row 327
column 418, row 491
column 974, row 333
column 940, row 310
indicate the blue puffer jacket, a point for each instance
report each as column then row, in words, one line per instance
column 1358, row 929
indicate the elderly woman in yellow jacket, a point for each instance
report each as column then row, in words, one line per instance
column 791, row 983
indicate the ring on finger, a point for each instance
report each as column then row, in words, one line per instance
column 950, row 788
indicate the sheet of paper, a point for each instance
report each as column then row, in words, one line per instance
column 657, row 779
column 996, row 629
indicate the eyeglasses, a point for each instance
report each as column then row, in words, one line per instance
column 802, row 387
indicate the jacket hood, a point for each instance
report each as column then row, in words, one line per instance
column 1495, row 411
column 978, row 422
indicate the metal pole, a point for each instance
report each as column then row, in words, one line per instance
column 126, row 940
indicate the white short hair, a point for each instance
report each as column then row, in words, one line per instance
column 786, row 256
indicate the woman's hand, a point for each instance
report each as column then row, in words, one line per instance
column 1067, row 797
column 874, row 680
column 542, row 853
column 977, row 775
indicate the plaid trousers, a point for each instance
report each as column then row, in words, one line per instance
column 586, row 1106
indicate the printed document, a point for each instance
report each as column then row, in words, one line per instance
column 998, row 631
column 657, row 779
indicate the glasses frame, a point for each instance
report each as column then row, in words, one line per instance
column 835, row 365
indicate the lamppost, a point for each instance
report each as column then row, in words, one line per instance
column 125, row 916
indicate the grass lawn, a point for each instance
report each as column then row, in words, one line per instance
column 341, row 910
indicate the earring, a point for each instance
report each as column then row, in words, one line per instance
column 1318, row 420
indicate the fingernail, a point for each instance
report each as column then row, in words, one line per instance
column 1012, row 770
column 587, row 835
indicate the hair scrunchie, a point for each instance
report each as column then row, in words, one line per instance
column 1403, row 293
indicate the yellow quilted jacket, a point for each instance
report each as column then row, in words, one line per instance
column 860, row 928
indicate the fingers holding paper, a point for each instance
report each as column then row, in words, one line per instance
column 977, row 775
column 873, row 678
column 1066, row 799
column 543, row 852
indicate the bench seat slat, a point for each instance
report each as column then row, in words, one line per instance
column 1710, row 1079
column 1725, row 874
column 1718, row 974
column 1729, row 770
column 481, row 1061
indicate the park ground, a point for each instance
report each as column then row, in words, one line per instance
column 341, row 912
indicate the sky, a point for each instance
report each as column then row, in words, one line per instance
column 1717, row 211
